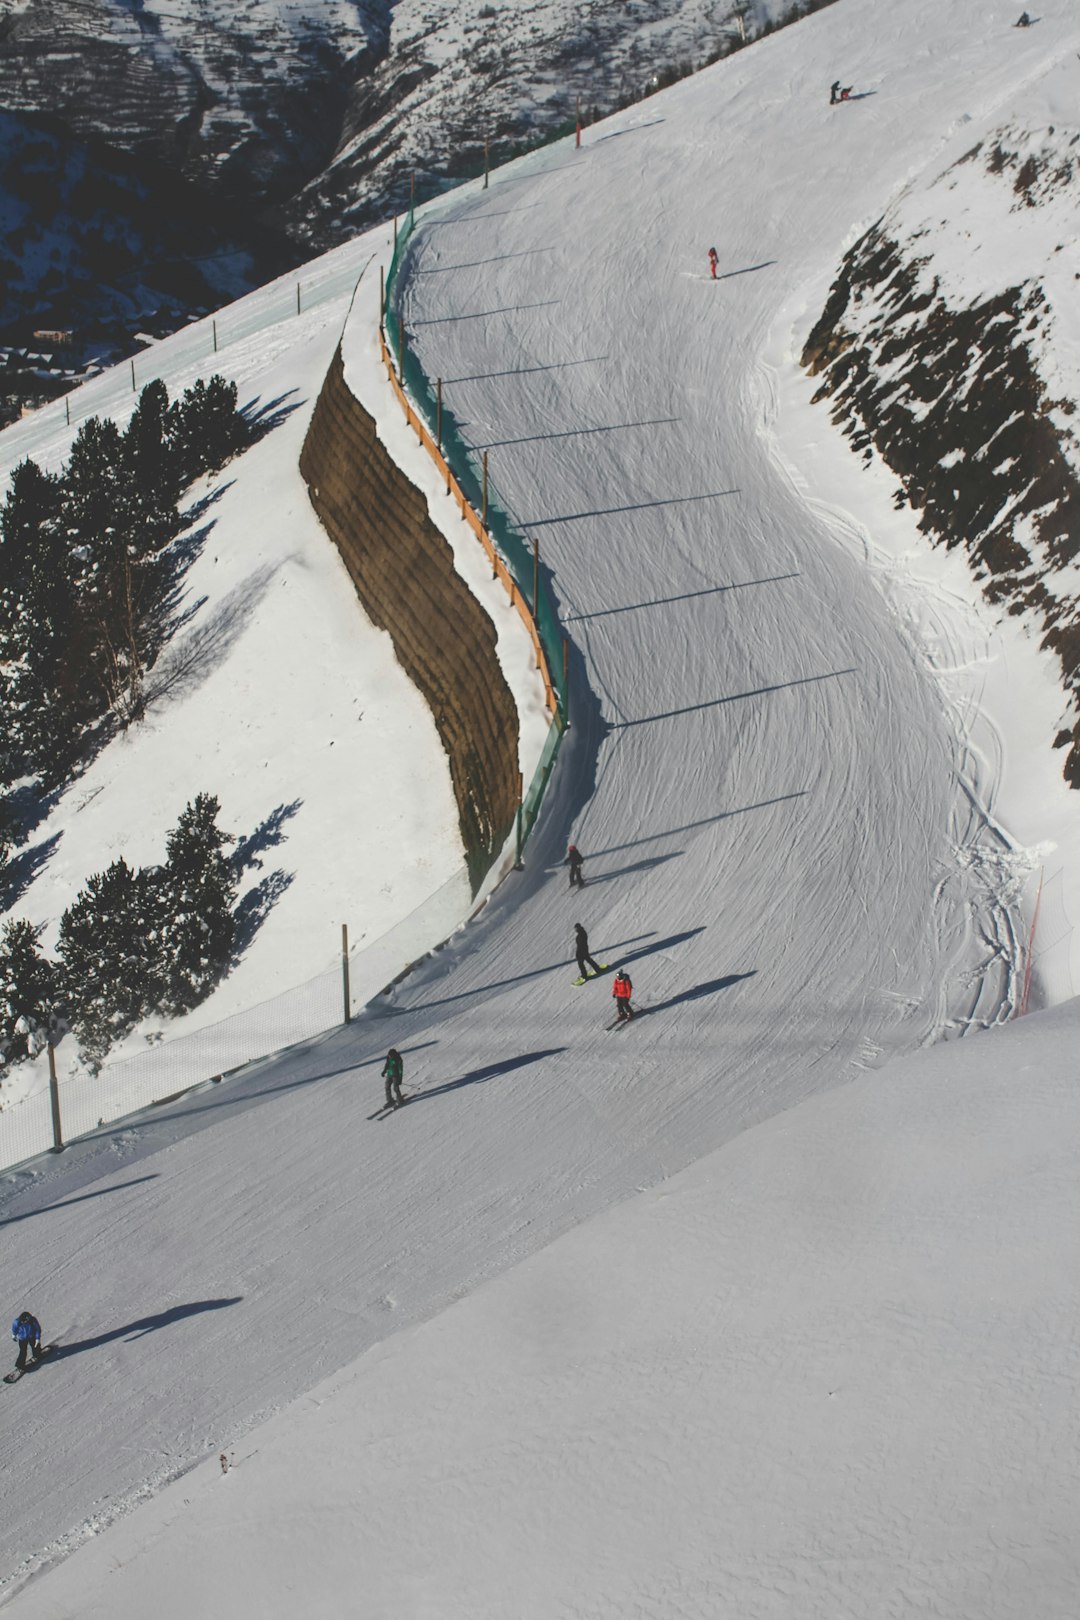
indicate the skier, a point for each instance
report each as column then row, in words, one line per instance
column 581, row 948
column 622, row 990
column 712, row 262
column 393, row 1069
column 26, row 1331
column 575, row 860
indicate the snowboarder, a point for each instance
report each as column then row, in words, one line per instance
column 581, row 948
column 393, row 1069
column 622, row 990
column 834, row 92
column 575, row 860
column 1023, row 21
column 26, row 1331
column 713, row 262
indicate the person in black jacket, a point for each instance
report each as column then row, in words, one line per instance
column 581, row 950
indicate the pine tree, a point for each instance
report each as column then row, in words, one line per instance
column 111, row 966
column 42, row 650
column 101, row 520
column 27, row 989
column 206, row 428
column 151, row 470
column 195, row 893
column 27, row 526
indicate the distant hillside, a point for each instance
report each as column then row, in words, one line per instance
column 192, row 150
column 102, row 244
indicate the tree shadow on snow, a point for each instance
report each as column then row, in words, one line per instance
column 267, row 835
column 184, row 667
column 254, row 908
column 22, row 869
column 264, row 418
column 147, row 1324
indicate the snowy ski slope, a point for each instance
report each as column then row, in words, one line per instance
column 784, row 844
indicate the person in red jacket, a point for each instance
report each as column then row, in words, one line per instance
column 622, row 990
column 713, row 260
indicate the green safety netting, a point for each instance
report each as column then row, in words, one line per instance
column 515, row 550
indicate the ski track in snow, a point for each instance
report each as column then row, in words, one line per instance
column 778, row 841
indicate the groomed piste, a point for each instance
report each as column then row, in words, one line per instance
column 750, row 1308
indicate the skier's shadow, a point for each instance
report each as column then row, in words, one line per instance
column 147, row 1324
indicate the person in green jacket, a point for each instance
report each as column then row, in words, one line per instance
column 393, row 1069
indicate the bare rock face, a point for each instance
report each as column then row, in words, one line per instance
column 966, row 399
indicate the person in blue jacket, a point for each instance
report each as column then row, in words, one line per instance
column 26, row 1331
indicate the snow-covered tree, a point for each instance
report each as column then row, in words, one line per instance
column 151, row 469
column 206, row 428
column 195, row 893
column 27, row 990
column 107, row 949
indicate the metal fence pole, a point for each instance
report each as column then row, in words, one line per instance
column 54, row 1099
column 345, row 971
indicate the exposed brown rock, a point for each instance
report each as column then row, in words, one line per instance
column 403, row 570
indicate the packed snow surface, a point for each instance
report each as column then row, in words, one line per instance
column 826, row 1367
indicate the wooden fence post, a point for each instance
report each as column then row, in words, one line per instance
column 214, row 326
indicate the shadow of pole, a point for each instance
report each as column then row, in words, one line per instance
column 489, row 1072
column 147, row 1324
column 711, row 987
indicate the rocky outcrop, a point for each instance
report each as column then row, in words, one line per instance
column 952, row 400
column 403, row 570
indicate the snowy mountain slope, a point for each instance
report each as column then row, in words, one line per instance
column 950, row 348
column 238, row 93
column 785, row 844
column 458, row 74
column 828, row 1370
column 277, row 695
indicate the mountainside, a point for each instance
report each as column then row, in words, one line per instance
column 949, row 349
column 810, row 769
column 260, row 132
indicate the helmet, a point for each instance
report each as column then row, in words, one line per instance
column 25, row 1316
